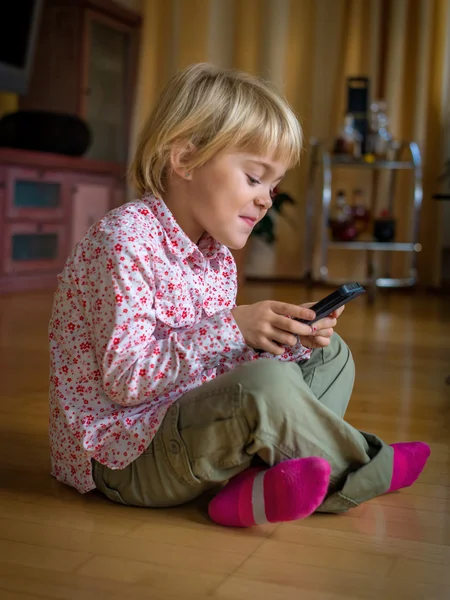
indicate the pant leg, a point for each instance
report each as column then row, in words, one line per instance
column 330, row 373
column 266, row 409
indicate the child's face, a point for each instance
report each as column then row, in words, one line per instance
column 231, row 193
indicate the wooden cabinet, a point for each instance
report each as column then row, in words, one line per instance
column 48, row 202
column 108, row 82
column 85, row 65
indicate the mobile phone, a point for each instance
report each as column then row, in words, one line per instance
column 335, row 300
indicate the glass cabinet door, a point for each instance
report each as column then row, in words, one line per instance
column 107, row 91
column 35, row 195
column 31, row 247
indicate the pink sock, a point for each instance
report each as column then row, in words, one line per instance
column 290, row 490
column 409, row 462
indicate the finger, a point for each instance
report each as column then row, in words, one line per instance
column 283, row 337
column 325, row 323
column 325, row 333
column 272, row 347
column 321, row 342
column 291, row 326
column 315, row 342
column 337, row 313
column 293, row 310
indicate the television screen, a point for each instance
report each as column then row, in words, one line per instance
column 19, row 25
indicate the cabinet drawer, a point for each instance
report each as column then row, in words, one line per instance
column 34, row 194
column 31, row 247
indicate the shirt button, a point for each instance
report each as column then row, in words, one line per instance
column 177, row 318
column 174, row 446
column 197, row 269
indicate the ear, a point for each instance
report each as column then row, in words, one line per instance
column 180, row 154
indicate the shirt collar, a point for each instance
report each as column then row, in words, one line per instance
column 177, row 241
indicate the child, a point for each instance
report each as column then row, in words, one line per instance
column 157, row 393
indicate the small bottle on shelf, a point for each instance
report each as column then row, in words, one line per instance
column 380, row 138
column 384, row 227
column 341, row 220
column 360, row 212
column 373, row 128
column 349, row 141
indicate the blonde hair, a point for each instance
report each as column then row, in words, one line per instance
column 213, row 109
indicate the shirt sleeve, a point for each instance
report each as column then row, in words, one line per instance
column 290, row 354
column 136, row 366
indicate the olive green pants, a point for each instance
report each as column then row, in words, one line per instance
column 262, row 410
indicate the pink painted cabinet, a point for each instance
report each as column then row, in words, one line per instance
column 46, row 210
column 91, row 200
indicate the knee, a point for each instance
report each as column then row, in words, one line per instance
column 339, row 353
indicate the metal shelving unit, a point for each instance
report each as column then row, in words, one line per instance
column 327, row 163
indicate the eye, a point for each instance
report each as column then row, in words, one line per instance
column 253, row 181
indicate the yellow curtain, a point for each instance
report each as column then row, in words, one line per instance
column 308, row 48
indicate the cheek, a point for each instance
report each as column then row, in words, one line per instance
column 223, row 193
column 211, row 186
column 220, row 194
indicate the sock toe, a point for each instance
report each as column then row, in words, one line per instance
column 410, row 459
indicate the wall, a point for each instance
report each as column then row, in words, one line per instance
column 445, row 101
column 308, row 48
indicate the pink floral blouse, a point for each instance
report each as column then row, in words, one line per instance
column 141, row 315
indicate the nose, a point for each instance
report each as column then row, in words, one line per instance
column 264, row 201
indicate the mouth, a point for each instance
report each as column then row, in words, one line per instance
column 251, row 221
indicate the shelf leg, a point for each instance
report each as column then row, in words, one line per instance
column 371, row 279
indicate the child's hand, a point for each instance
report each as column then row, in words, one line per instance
column 322, row 330
column 264, row 325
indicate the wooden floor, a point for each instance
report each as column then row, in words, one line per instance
column 55, row 543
